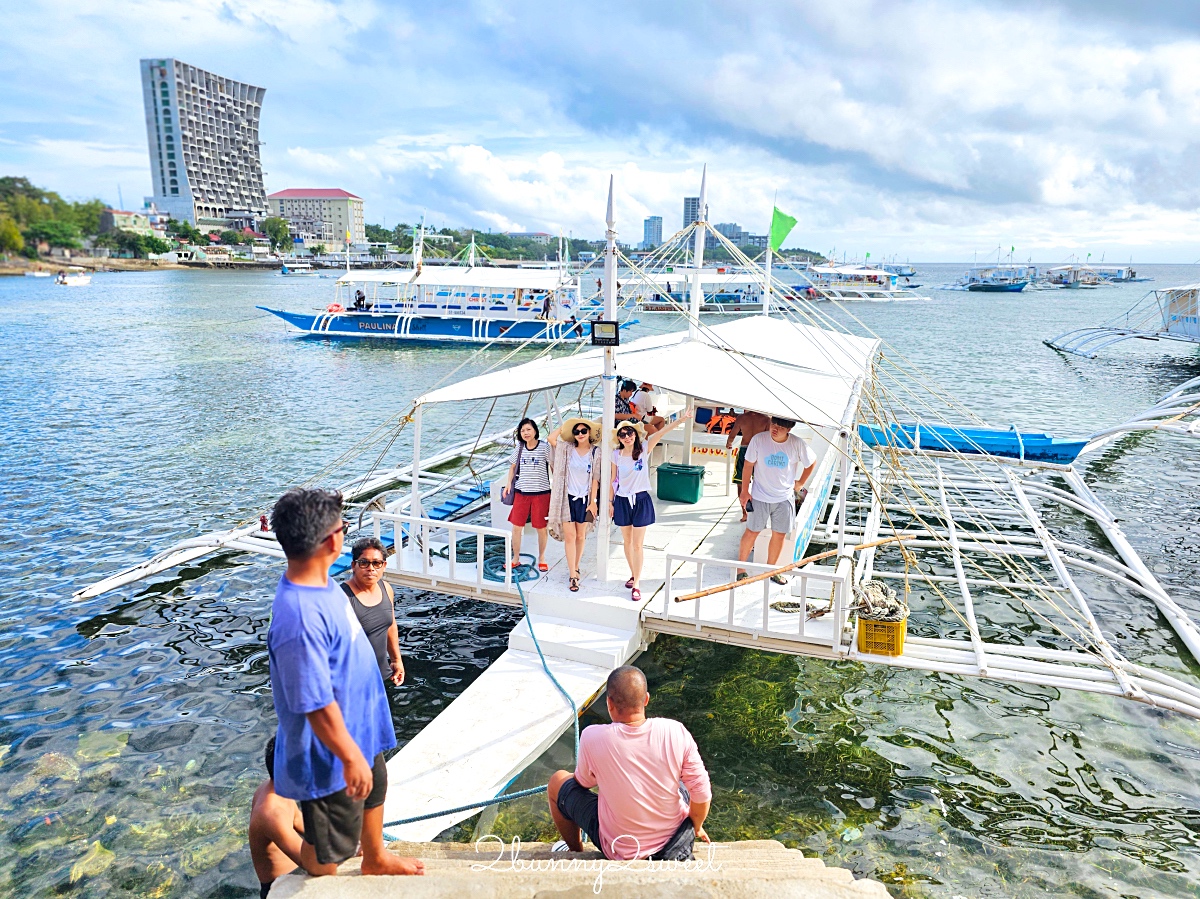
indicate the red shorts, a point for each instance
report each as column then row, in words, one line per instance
column 528, row 507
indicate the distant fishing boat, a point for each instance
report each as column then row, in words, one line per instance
column 449, row 304
column 1073, row 277
column 38, row 274
column 725, row 292
column 298, row 269
column 73, row 279
column 858, row 282
column 996, row 279
column 902, row 269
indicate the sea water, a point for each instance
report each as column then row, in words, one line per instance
column 150, row 407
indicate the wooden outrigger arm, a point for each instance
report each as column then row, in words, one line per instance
column 766, row 574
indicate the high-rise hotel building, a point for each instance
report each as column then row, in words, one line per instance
column 203, row 135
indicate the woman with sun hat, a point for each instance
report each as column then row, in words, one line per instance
column 629, row 492
column 575, row 488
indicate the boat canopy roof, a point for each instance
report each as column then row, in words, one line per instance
column 767, row 364
column 683, row 277
column 852, row 270
column 460, row 276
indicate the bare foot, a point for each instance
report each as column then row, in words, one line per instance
column 392, row 863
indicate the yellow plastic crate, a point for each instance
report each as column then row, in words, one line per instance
column 882, row 638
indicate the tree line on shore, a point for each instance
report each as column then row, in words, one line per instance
column 31, row 216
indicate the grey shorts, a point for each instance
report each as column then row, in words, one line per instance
column 779, row 517
column 332, row 823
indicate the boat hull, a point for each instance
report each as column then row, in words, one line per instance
column 973, row 441
column 426, row 329
column 1013, row 287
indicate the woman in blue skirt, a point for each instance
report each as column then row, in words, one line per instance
column 629, row 493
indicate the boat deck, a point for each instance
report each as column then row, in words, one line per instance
column 711, row 528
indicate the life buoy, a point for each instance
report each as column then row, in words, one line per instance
column 335, row 307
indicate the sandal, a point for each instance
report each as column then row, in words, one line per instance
column 629, row 584
column 574, row 588
column 542, row 566
column 636, row 596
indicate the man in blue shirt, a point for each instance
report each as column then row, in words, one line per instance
column 334, row 720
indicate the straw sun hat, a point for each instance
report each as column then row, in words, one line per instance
column 564, row 433
column 637, row 426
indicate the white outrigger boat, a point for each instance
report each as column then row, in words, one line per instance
column 905, row 492
column 1170, row 313
column 450, row 304
column 848, row 283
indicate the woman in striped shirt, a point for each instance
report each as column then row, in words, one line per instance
column 529, row 476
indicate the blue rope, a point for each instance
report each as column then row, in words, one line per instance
column 520, row 573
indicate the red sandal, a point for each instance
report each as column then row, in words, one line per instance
column 636, row 595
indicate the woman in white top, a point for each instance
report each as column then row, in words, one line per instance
column 632, row 505
column 582, row 486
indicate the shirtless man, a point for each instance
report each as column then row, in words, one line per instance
column 276, row 830
column 747, row 424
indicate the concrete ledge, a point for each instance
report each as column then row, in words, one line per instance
column 745, row 870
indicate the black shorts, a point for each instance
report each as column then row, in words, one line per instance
column 583, row 808
column 579, row 510
column 332, row 824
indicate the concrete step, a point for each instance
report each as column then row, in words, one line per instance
column 579, row 641
column 585, row 607
column 758, row 869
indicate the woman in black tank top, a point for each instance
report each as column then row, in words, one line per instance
column 373, row 603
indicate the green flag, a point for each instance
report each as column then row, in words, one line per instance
column 781, row 226
column 1012, row 249
column 868, row 256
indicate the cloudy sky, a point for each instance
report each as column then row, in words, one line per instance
column 925, row 129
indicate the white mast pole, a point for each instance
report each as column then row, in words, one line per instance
column 767, row 286
column 608, row 417
column 697, row 297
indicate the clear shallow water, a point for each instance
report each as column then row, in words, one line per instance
column 150, row 407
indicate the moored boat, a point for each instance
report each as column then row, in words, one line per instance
column 449, row 304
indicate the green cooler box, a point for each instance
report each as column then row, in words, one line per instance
column 680, row 483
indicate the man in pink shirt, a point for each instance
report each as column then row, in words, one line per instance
column 654, row 792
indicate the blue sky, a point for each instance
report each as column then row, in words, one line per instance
column 929, row 130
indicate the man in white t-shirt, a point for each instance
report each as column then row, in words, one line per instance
column 643, row 404
column 777, row 465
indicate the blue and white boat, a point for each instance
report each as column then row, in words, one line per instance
column 449, row 304
column 997, row 278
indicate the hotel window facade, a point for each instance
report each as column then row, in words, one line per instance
column 202, row 129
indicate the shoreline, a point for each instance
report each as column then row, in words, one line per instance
column 91, row 263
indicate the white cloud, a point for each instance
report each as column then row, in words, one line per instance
column 925, row 127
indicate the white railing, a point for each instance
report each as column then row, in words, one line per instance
column 736, row 614
column 417, row 557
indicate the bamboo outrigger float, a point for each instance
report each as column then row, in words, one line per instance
column 959, row 527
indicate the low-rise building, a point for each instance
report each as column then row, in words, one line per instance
column 121, row 220
column 536, row 236
column 321, row 215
